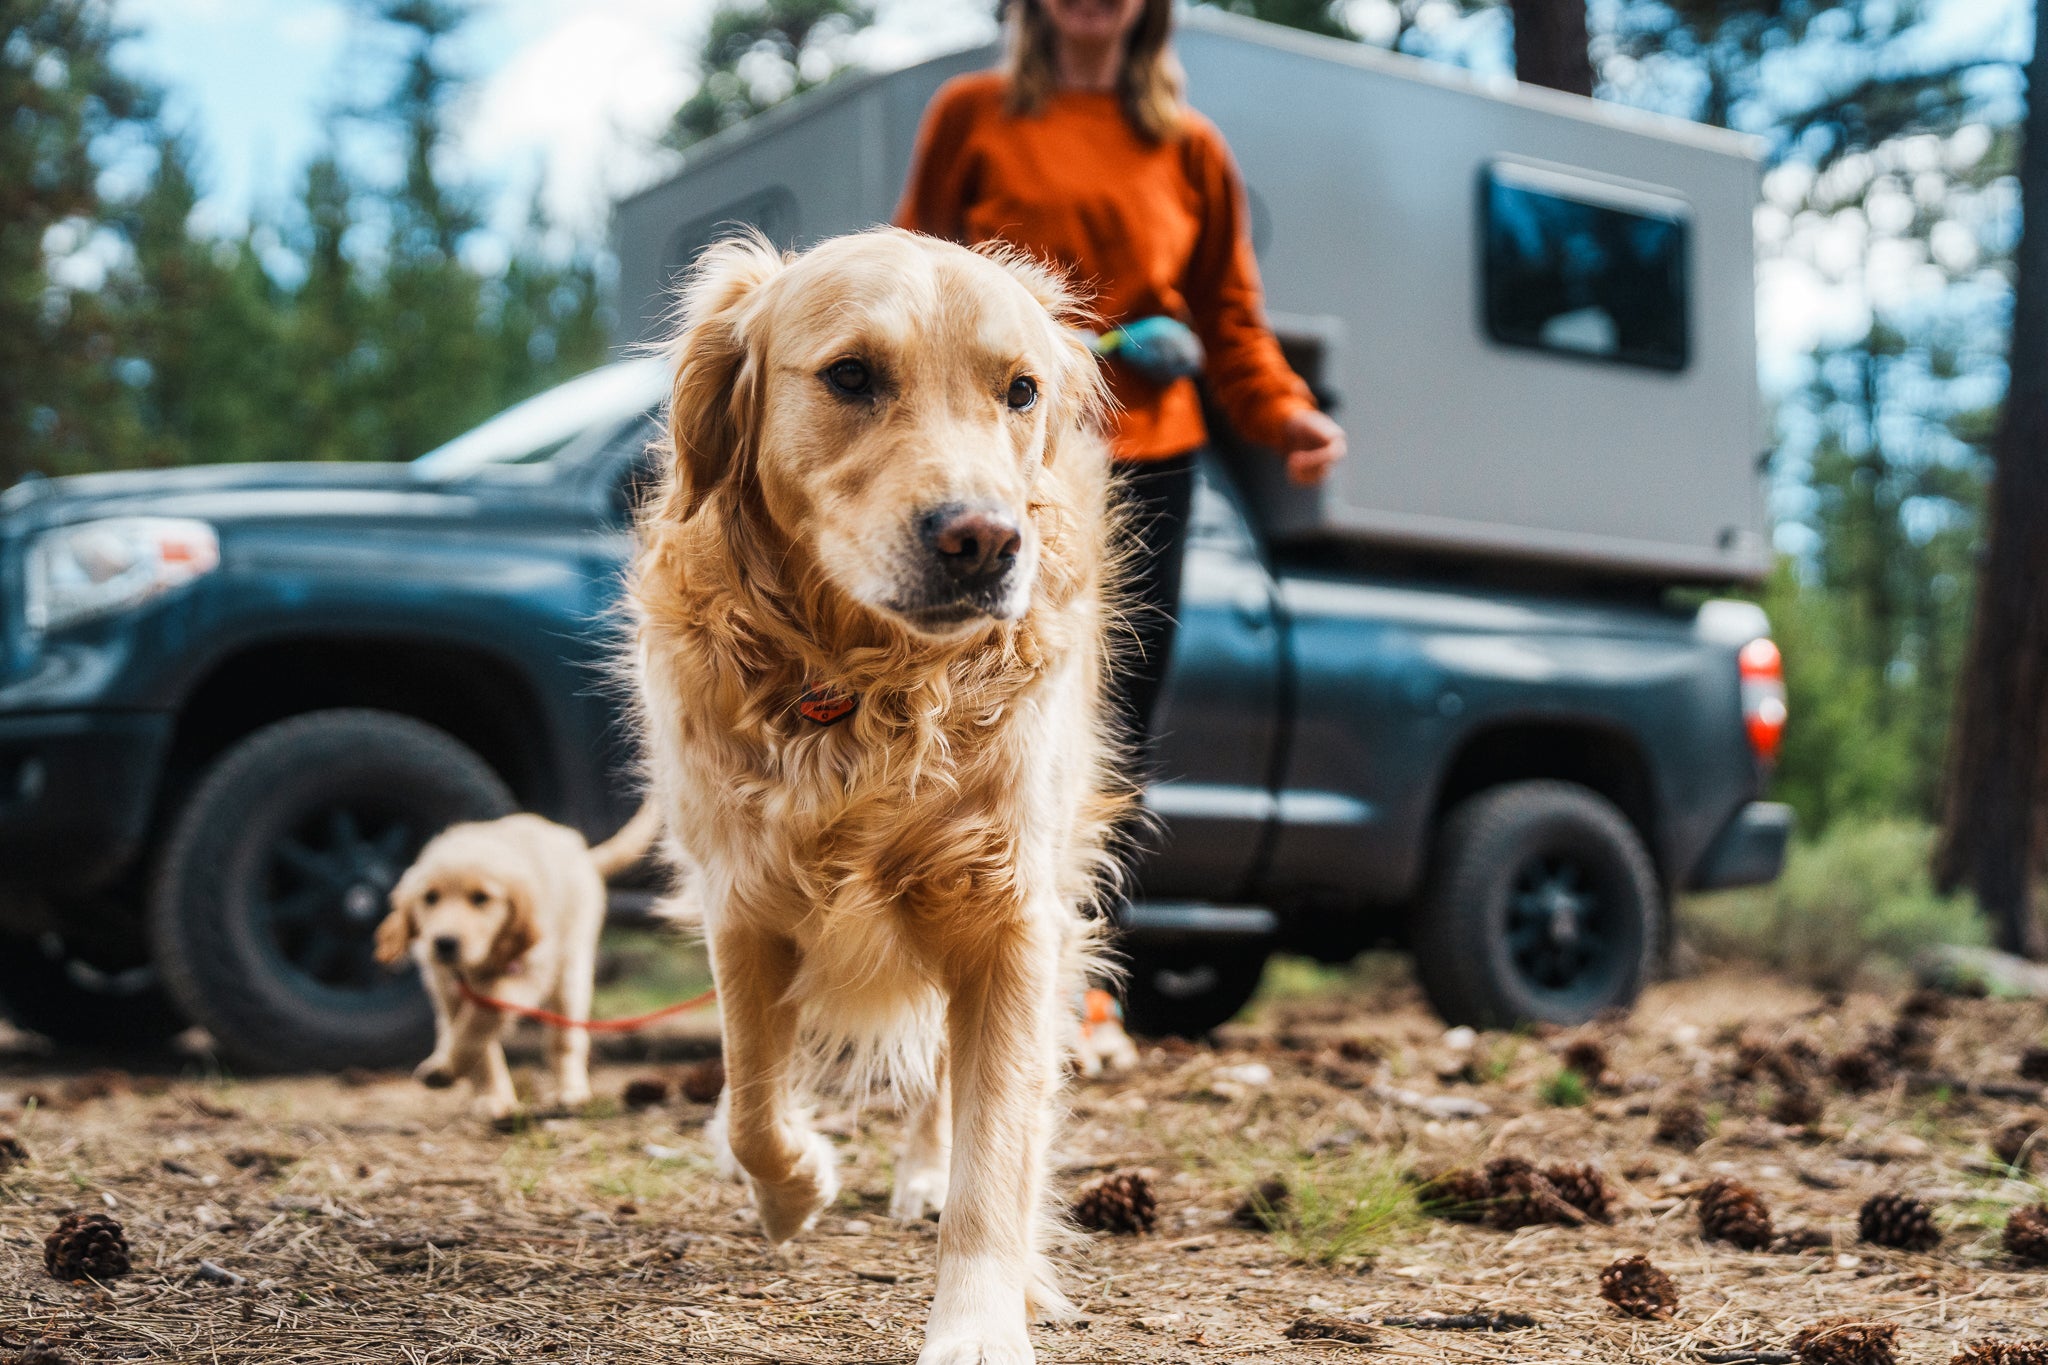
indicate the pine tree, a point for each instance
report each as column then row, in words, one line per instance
column 202, row 322
column 1992, row 821
column 759, row 53
column 63, row 402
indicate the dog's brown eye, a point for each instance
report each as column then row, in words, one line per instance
column 432, row 898
column 1023, row 393
column 479, row 899
column 850, row 377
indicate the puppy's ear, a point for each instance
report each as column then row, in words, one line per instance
column 398, row 929
column 517, row 935
column 711, row 410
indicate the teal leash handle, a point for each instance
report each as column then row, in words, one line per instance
column 1162, row 349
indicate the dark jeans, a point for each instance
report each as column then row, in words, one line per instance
column 1155, row 496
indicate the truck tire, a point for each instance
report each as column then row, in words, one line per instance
column 277, row 871
column 102, row 996
column 1542, row 905
column 1185, row 990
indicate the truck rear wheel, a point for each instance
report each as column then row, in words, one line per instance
column 1185, row 990
column 1542, row 906
column 277, row 871
column 97, row 994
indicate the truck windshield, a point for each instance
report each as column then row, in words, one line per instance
column 544, row 425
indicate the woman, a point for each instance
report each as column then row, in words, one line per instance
column 1081, row 151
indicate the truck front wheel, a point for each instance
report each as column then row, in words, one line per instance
column 277, row 871
column 1542, row 905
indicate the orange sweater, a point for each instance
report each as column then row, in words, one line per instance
column 1146, row 229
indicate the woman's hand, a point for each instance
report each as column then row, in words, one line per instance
column 1312, row 444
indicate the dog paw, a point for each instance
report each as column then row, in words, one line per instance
column 435, row 1074
column 724, row 1164
column 919, row 1190
column 987, row 1347
column 789, row 1206
column 496, row 1108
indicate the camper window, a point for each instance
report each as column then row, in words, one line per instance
column 1585, row 267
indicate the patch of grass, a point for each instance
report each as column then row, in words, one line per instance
column 1300, row 978
column 1566, row 1089
column 642, row 969
column 1344, row 1212
column 1497, row 1061
column 1858, row 897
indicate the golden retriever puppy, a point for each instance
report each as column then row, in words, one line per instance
column 871, row 616
column 512, row 908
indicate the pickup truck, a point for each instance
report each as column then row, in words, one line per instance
column 234, row 701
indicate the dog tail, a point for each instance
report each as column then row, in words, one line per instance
column 630, row 844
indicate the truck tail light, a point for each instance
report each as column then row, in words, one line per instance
column 1763, row 696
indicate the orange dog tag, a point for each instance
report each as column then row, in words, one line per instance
column 823, row 706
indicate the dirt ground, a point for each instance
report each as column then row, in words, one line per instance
column 364, row 1218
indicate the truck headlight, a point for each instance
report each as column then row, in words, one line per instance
column 97, row 568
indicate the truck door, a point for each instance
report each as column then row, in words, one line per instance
column 1219, row 718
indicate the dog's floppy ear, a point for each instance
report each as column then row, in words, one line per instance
column 398, row 929
column 710, row 414
column 517, row 935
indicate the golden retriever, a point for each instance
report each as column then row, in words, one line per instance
column 870, row 606
column 512, row 908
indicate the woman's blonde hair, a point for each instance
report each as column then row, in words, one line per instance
column 1149, row 83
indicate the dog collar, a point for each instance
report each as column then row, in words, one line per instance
column 826, row 705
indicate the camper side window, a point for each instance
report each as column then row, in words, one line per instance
column 1586, row 267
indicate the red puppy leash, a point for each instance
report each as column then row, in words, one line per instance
column 638, row 1021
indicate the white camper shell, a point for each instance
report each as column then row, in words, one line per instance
column 1533, row 313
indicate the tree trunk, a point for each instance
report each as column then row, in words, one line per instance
column 1550, row 45
column 1990, row 821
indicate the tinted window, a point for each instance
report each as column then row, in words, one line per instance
column 1586, row 268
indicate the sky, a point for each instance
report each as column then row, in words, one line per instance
column 572, row 93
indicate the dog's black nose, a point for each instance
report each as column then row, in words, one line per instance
column 977, row 545
column 447, row 949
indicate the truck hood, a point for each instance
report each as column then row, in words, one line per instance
column 274, row 492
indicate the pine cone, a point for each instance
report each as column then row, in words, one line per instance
column 1587, row 1056
column 1993, row 1351
column 1731, row 1211
column 2026, row 1233
column 646, row 1092
column 2020, row 1144
column 1798, row 1105
column 1898, row 1220
column 1759, row 1055
column 702, row 1082
column 1681, row 1124
column 1638, row 1288
column 1462, row 1195
column 43, row 1351
column 1520, row 1196
column 12, row 1152
column 86, row 1244
column 1911, row 1043
column 1582, row 1186
column 1845, row 1341
column 1263, row 1206
column 1862, row 1069
column 1118, row 1203
column 1925, row 1003
column 2034, row 1064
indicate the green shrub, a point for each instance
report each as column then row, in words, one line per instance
column 1566, row 1089
column 1858, row 895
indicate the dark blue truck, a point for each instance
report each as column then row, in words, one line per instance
column 235, row 700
